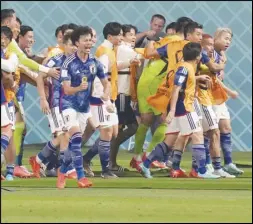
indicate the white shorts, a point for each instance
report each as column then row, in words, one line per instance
column 196, row 106
column 186, row 124
column 5, row 115
column 73, row 118
column 101, row 117
column 12, row 116
column 221, row 112
column 209, row 121
column 56, row 121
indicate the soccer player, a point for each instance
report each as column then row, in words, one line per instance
column 78, row 73
column 103, row 110
column 222, row 41
column 25, row 40
column 58, row 49
column 16, row 31
column 192, row 32
column 6, row 37
column 6, row 124
column 50, row 107
column 127, row 60
column 171, row 28
column 208, row 118
column 151, row 77
column 180, row 114
column 8, row 18
column 90, row 129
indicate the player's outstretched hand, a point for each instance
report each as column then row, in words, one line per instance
column 233, row 94
column 54, row 72
column 44, row 106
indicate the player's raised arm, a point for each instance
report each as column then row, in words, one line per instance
column 213, row 66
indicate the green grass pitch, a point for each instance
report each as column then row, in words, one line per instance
column 130, row 198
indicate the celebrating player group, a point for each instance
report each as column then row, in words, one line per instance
column 170, row 82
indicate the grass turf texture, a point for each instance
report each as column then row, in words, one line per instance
column 131, row 198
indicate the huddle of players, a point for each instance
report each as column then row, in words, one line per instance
column 90, row 88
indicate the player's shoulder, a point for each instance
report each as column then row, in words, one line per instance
column 182, row 69
column 57, row 57
column 94, row 59
column 70, row 59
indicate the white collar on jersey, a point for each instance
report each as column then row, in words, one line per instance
column 108, row 44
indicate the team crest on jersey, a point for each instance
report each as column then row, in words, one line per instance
column 93, row 69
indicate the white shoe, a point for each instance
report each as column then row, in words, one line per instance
column 232, row 169
column 208, row 175
column 223, row 173
column 209, row 168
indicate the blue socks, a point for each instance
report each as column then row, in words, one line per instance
column 216, row 163
column 66, row 161
column 76, row 154
column 92, row 152
column 10, row 169
column 4, row 142
column 104, row 154
column 160, row 153
column 194, row 164
column 176, row 160
column 198, row 152
column 207, row 146
column 47, row 151
column 226, row 146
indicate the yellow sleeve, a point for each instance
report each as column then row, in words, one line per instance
column 23, row 59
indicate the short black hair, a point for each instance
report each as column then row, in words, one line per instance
column 19, row 21
column 72, row 26
column 190, row 28
column 7, row 32
column 191, row 51
column 24, row 29
column 6, row 13
column 64, row 27
column 159, row 16
column 112, row 28
column 127, row 28
column 171, row 26
column 58, row 30
column 181, row 23
column 80, row 31
column 66, row 37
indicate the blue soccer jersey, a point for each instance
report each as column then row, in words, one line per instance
column 55, row 88
column 75, row 71
column 217, row 58
column 3, row 98
column 20, row 95
column 180, row 79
